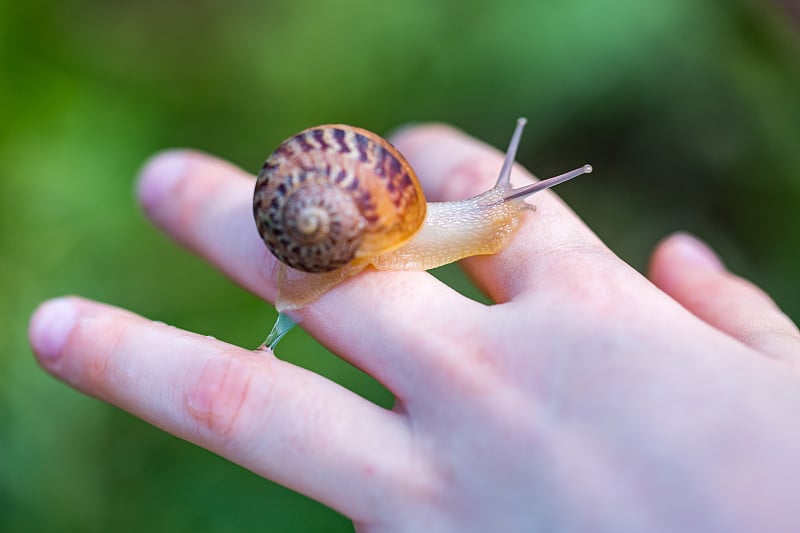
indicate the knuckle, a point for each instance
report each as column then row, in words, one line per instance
column 100, row 372
column 773, row 335
column 471, row 370
column 431, row 486
column 221, row 400
column 777, row 338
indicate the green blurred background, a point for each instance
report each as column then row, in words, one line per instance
column 689, row 111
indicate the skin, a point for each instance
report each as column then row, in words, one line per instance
column 590, row 398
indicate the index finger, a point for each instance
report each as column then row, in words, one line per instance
column 372, row 319
column 550, row 241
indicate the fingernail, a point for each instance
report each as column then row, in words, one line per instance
column 50, row 327
column 693, row 250
column 158, row 177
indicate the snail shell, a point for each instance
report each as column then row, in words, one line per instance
column 336, row 194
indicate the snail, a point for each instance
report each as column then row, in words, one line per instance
column 334, row 199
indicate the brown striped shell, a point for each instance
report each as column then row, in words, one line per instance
column 336, row 194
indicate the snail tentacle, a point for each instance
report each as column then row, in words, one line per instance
column 504, row 179
column 528, row 190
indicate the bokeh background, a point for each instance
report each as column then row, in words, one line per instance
column 689, row 111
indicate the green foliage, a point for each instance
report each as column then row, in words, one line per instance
column 689, row 112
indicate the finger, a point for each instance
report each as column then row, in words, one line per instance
column 278, row 420
column 453, row 166
column 205, row 204
column 690, row 272
column 373, row 319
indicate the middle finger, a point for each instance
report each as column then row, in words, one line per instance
column 548, row 242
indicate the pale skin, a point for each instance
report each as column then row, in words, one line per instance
column 589, row 398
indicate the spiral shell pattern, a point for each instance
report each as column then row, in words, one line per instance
column 334, row 194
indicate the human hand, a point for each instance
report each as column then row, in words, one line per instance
column 588, row 399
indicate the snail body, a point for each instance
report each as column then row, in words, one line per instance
column 334, row 199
